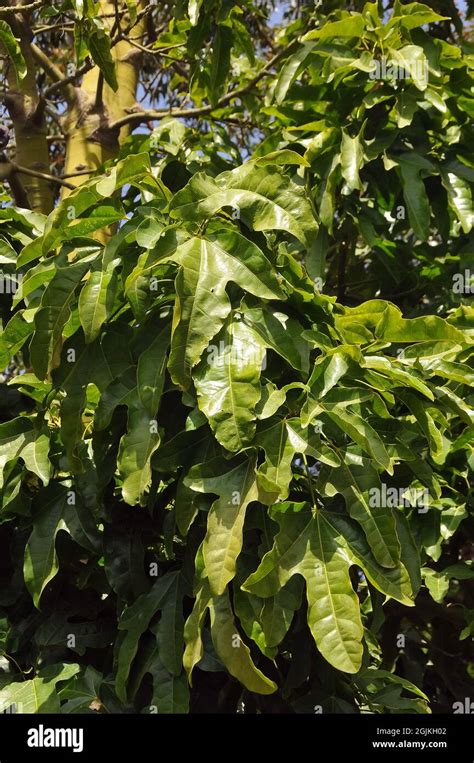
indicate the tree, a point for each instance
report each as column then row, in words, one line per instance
column 237, row 431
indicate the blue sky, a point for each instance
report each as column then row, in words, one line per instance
column 276, row 17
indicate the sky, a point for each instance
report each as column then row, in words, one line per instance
column 277, row 15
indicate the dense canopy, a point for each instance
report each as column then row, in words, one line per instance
column 236, row 438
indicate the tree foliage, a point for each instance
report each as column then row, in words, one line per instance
column 236, row 439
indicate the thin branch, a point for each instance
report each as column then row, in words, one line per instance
column 76, row 174
column 147, row 116
column 64, row 26
column 14, row 168
column 87, row 66
column 262, row 73
column 153, row 51
column 11, row 9
column 46, row 64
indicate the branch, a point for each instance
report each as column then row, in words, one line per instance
column 7, row 169
column 77, row 174
column 89, row 64
column 42, row 176
column 9, row 10
column 147, row 116
column 52, row 71
column 153, row 51
column 46, row 64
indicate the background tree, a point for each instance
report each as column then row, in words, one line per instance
column 236, row 255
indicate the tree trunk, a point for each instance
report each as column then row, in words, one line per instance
column 90, row 141
column 27, row 114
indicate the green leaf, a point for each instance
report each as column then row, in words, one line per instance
column 280, row 441
column 459, row 198
column 37, row 695
column 412, row 59
column 169, row 629
column 306, row 544
column 121, row 391
column 41, row 562
column 151, row 371
column 265, row 197
column 352, row 25
column 290, row 69
column 397, row 582
column 278, row 612
column 13, row 49
column 35, row 455
column 50, row 319
column 232, row 651
column 279, row 333
column 135, row 620
column 416, row 199
column 236, row 488
column 98, row 42
column 123, row 553
column 413, row 15
column 227, row 384
column 220, row 62
column 170, row 692
column 18, row 439
column 438, row 582
column 13, row 337
column 360, row 485
column 361, row 432
column 135, row 451
column 352, row 158
column 202, row 305
column 96, row 301
column 131, row 169
column 82, row 692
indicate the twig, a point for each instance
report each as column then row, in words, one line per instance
column 150, row 115
column 153, row 51
column 9, row 10
column 76, row 174
column 46, row 64
column 89, row 64
column 9, row 168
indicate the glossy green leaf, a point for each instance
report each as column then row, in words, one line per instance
column 39, row 694
column 96, row 301
column 362, row 490
column 223, row 542
column 207, row 265
column 11, row 45
column 227, row 384
column 306, row 545
column 41, row 562
column 233, row 652
column 136, row 449
column 151, row 371
column 266, row 199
